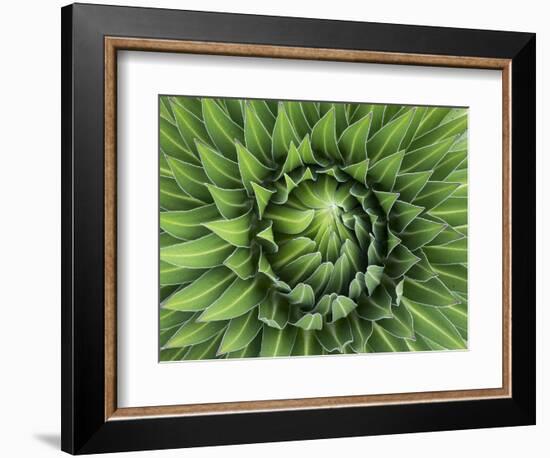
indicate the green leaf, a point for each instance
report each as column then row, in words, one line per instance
column 291, row 250
column 432, row 118
column 451, row 161
column 307, row 154
column 320, row 277
column 236, row 231
column 458, row 315
column 256, row 135
column 376, row 306
column 164, row 167
column 288, row 220
column 165, row 110
column 166, row 292
column 453, row 253
column 191, row 179
column 403, row 214
column 323, row 136
column 191, row 104
column 205, row 350
column 252, row 170
column 231, row 203
column 400, row 262
column 453, row 211
column 306, row 344
column 353, row 142
column 301, row 295
column 311, row 112
column 221, row 128
column 202, row 292
column 351, row 250
column 434, row 193
column 341, row 275
column 170, row 319
column 425, row 158
column 377, row 118
column 431, row 323
column 382, row 341
column 432, row 292
column 166, row 239
column 238, row 298
column 190, row 127
column 308, row 196
column 341, row 307
column 449, row 234
column 173, row 198
column 221, row 171
column 208, row 251
column 358, row 171
column 187, row 224
column 252, row 350
column 386, row 200
column 390, row 112
column 310, row 322
column 418, row 344
column 341, row 118
column 266, row 239
column 413, row 127
column 265, row 114
column 173, row 144
column 193, row 333
column 401, row 323
column 420, row 232
column 264, row 267
column 410, row 184
column 283, row 134
column 392, row 242
column 278, row 342
column 455, row 276
column 357, row 286
column 335, row 336
column 387, row 140
column 174, row 275
column 422, row 270
column 443, row 131
column 262, row 196
column 361, row 331
column 274, row 311
column 240, row 332
column 375, row 252
column 373, row 275
column 385, row 171
column 235, row 110
column 362, row 233
column 293, row 161
column 297, row 117
column 241, row 262
column 301, row 268
column 172, row 354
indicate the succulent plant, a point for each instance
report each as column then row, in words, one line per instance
column 294, row 228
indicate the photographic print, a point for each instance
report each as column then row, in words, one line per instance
column 299, row 228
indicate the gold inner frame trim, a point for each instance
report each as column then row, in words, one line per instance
column 114, row 44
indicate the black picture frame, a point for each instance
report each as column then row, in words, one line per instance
column 84, row 427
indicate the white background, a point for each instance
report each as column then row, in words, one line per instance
column 142, row 76
column 30, row 233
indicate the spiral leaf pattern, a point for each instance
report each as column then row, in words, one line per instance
column 306, row 228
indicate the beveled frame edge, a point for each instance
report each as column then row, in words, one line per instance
column 112, row 45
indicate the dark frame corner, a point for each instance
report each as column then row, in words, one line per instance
column 85, row 428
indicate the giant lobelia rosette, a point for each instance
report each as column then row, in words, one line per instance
column 309, row 228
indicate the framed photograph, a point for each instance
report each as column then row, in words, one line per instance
column 281, row 228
